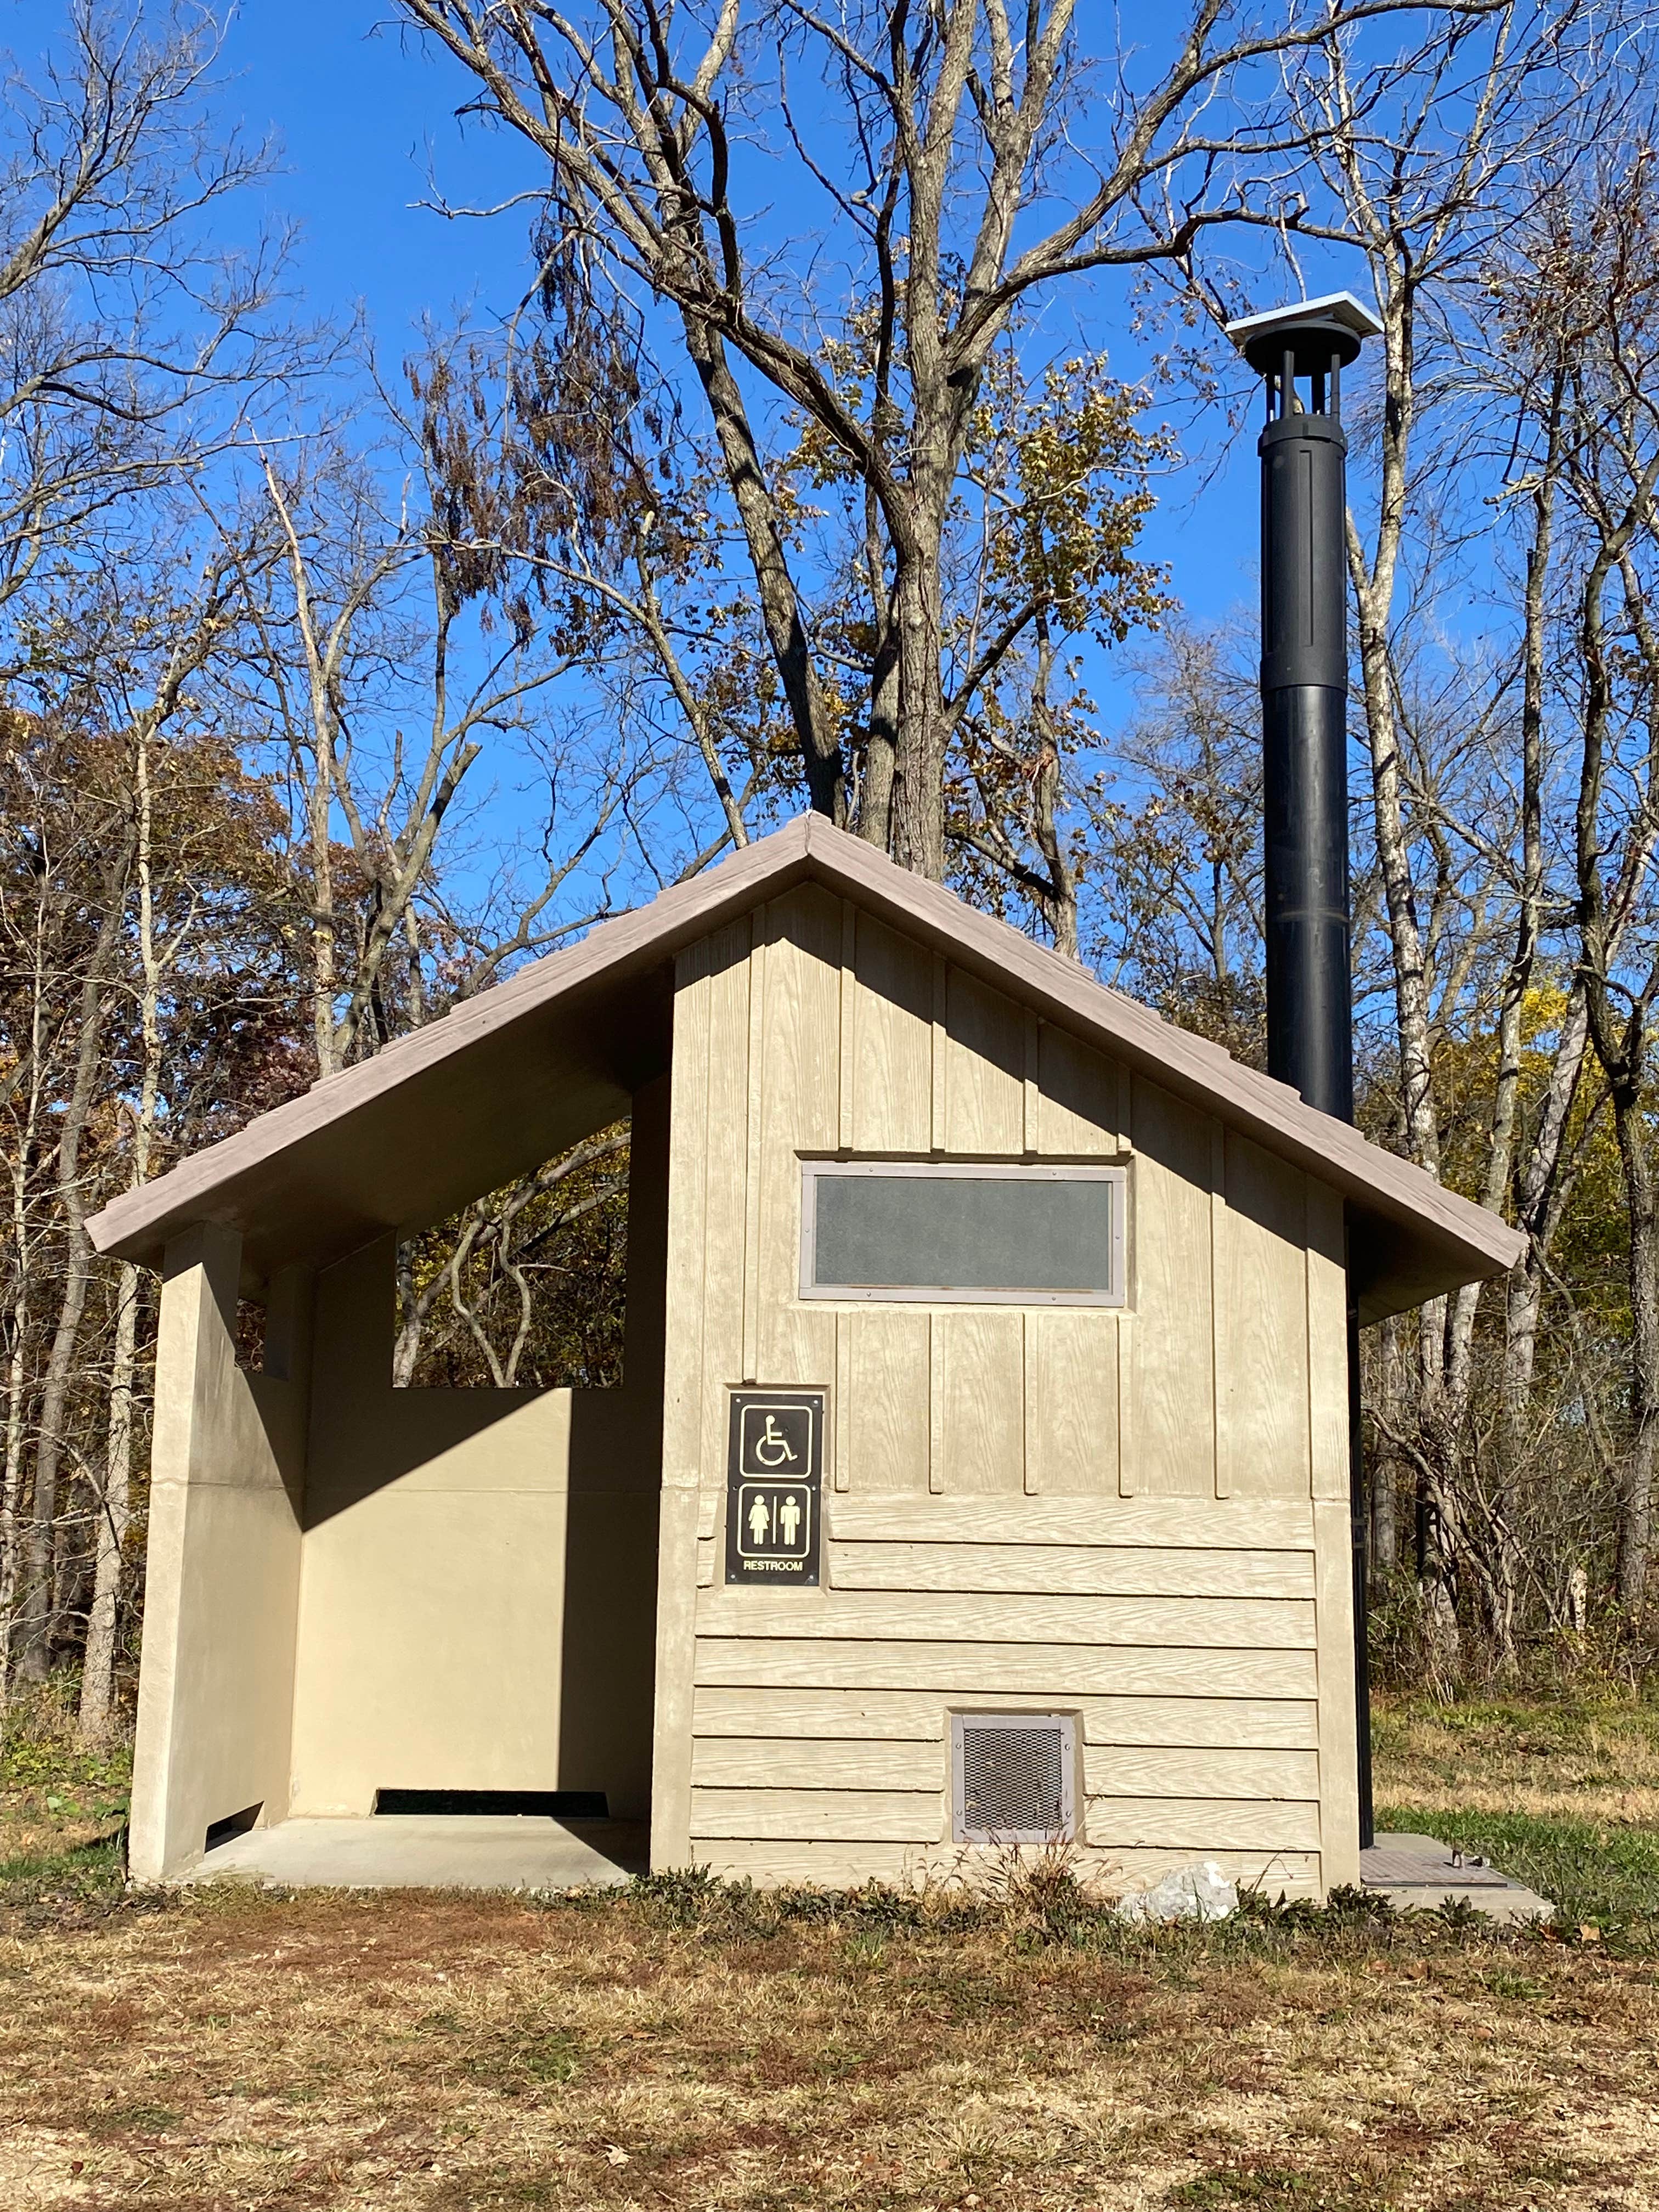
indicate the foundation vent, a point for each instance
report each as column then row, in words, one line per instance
column 1013, row 1777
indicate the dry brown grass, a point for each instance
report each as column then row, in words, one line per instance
column 246, row 2051
column 1566, row 1759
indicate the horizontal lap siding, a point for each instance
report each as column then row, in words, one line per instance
column 905, row 1816
column 964, row 1672
column 845, row 1816
column 1110, row 1522
column 1023, row 1510
column 1202, row 1823
column 936, row 1616
column 836, row 1865
column 1110, row 1771
column 1066, row 1570
column 1243, row 1725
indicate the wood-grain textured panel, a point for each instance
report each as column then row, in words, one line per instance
column 754, row 1125
column 1071, row 1368
column 1261, row 1387
column 718, row 1267
column 922, row 1717
column 1196, row 1824
column 892, row 1043
column 679, row 1551
column 969, row 1671
column 980, row 1367
column 1219, row 1624
column 805, row 1763
column 1063, row 1570
column 887, row 1414
column 1328, row 1343
column 1258, row 1524
column 899, row 1816
column 1174, row 1363
column 921, row 1764
column 1287, row 1723
column 984, row 1069
column 1338, row 1738
column 799, row 1107
column 684, row 1366
column 1077, row 1113
column 847, row 1865
column 1186, row 1771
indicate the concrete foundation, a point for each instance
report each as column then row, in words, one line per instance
column 1419, row 1873
column 431, row 1851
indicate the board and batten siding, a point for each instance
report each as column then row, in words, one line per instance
column 1137, row 1516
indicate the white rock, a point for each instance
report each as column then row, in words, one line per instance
column 1193, row 1892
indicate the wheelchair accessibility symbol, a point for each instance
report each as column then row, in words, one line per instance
column 772, row 1446
column 775, row 1439
column 774, row 1473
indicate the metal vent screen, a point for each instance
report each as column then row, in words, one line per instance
column 1012, row 1777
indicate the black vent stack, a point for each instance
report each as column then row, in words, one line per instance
column 1300, row 352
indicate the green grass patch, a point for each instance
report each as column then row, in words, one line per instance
column 1275, row 2188
column 87, row 1874
column 1592, row 1872
column 1464, row 1737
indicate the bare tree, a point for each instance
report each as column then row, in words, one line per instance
column 965, row 172
column 133, row 341
column 362, row 637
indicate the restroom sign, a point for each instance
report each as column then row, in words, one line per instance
column 774, row 1463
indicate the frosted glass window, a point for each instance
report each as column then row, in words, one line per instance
column 921, row 1230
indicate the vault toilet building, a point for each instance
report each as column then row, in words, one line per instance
column 980, row 1465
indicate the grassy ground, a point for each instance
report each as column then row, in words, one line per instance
column 61, row 1809
column 680, row 2048
column 1565, row 1796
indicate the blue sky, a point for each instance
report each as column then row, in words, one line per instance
column 364, row 114
column 364, row 118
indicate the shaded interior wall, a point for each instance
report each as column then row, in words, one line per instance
column 478, row 1582
column 1136, row 1515
column 216, row 1680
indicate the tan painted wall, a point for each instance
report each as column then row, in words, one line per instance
column 215, row 1681
column 478, row 1583
column 1133, row 1516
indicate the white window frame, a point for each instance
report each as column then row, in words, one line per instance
column 940, row 1294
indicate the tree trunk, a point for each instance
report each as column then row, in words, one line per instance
column 1373, row 583
column 918, row 826
column 1386, row 1470
column 95, row 1721
column 98, row 1668
column 780, row 605
column 1636, row 1475
column 35, row 1623
column 11, row 1485
column 1538, row 1208
column 35, row 1613
column 875, row 821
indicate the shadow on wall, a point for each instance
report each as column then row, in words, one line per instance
column 478, row 1593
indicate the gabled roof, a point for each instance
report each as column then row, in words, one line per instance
column 513, row 1076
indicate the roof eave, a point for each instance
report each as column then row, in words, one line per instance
column 1419, row 1234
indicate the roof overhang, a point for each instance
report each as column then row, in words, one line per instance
column 1310, row 330
column 511, row 1078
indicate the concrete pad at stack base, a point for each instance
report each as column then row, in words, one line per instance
column 431, row 1851
column 1419, row 1872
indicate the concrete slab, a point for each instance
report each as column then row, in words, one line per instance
column 431, row 1851
column 1421, row 1872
